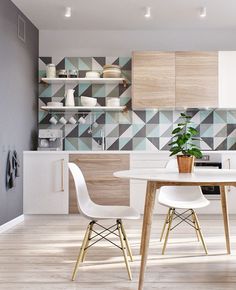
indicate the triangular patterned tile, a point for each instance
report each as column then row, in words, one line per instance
column 141, row 132
column 231, row 117
column 139, row 143
column 123, row 128
column 110, row 143
column 98, row 63
column 125, row 63
column 206, row 117
column 137, row 127
column 220, row 117
column 109, row 88
column 114, row 132
column 231, row 143
column 163, row 143
column 206, row 130
column 166, row 117
column 152, row 130
column 141, row 115
column 85, row 144
column 164, row 128
column 222, row 145
column 73, row 131
column 152, row 144
column 152, row 117
column 46, row 91
column 85, row 63
column 71, row 63
column 125, row 117
column 98, row 91
column 84, row 130
column 207, row 143
column 46, row 59
column 128, row 133
column 114, row 93
column 136, row 119
column 112, row 60
column 60, row 65
column 220, row 130
column 230, row 129
column 112, row 117
column 125, row 143
column 71, row 144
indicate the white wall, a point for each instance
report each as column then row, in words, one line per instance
column 112, row 43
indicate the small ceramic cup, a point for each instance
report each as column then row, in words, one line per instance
column 62, row 120
column 72, row 120
column 53, row 120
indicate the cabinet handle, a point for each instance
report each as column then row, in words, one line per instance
column 229, row 165
column 62, row 175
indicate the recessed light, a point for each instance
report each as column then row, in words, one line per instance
column 68, row 12
column 203, row 12
column 147, row 12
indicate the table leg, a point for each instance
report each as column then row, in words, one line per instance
column 147, row 222
column 225, row 217
column 144, row 218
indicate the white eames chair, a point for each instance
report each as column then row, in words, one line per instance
column 94, row 213
column 187, row 198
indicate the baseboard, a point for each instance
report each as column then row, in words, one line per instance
column 11, row 223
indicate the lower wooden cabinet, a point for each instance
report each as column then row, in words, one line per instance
column 98, row 171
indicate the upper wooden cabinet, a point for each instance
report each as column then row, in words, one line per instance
column 153, row 79
column 196, row 79
column 227, row 79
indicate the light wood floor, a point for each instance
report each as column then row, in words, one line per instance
column 40, row 254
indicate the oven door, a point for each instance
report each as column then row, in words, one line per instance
column 211, row 192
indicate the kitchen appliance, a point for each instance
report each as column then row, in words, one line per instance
column 50, row 140
column 70, row 100
column 211, row 161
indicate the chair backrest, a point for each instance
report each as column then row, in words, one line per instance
column 178, row 193
column 83, row 199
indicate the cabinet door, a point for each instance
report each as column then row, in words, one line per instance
column 103, row 187
column 227, row 79
column 196, row 79
column 45, row 183
column 153, row 79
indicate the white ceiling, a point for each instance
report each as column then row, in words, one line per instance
column 128, row 14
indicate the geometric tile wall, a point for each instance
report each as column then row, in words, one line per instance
column 131, row 130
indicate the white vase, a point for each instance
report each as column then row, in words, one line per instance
column 70, row 100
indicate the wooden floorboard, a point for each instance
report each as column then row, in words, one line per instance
column 39, row 254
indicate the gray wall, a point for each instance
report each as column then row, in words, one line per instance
column 18, row 100
column 121, row 43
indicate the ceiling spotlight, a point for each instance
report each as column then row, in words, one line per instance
column 203, row 12
column 68, row 12
column 147, row 12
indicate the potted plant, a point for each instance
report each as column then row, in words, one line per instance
column 183, row 145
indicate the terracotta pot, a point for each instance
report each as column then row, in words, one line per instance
column 185, row 163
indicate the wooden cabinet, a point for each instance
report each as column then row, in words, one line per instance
column 153, row 79
column 227, row 79
column 103, row 187
column 45, row 184
column 196, row 79
column 175, row 79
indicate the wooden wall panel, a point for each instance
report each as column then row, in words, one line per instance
column 196, row 79
column 153, row 79
column 103, row 187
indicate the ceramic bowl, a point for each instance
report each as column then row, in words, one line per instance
column 88, row 102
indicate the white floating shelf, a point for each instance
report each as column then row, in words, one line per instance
column 80, row 109
column 85, row 81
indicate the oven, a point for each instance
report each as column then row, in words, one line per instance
column 210, row 162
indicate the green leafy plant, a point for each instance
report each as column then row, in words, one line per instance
column 183, row 137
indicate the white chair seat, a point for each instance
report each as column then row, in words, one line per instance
column 198, row 203
column 184, row 197
column 101, row 212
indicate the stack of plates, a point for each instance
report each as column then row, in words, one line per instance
column 55, row 104
column 111, row 71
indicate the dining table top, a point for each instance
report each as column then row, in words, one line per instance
column 172, row 176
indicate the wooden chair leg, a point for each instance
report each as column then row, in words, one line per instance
column 195, row 225
column 124, row 249
column 165, row 224
column 81, row 253
column 200, row 232
column 168, row 230
column 89, row 236
column 126, row 241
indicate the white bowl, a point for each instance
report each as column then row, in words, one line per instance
column 88, row 102
column 92, row 74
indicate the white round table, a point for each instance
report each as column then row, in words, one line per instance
column 157, row 178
